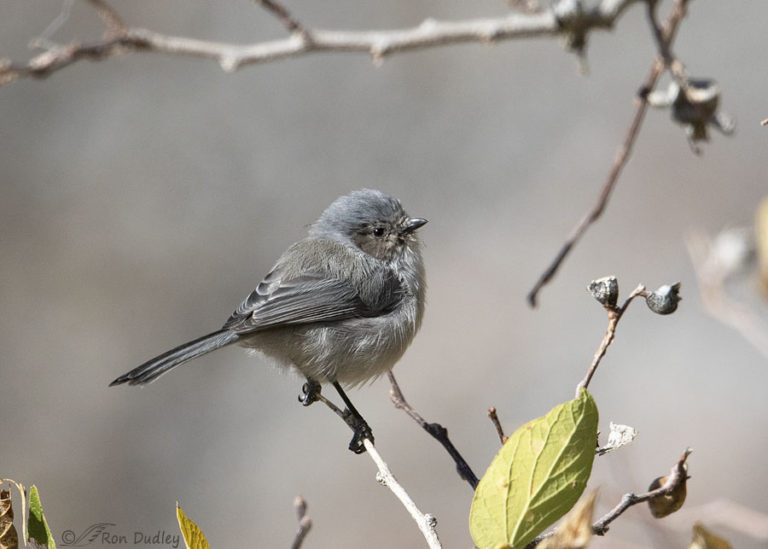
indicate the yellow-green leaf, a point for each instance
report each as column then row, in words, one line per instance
column 193, row 536
column 704, row 539
column 39, row 532
column 537, row 476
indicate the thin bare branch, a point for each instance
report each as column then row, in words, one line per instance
column 283, row 15
column 385, row 477
column 435, row 429
column 664, row 46
column 496, row 423
column 377, row 43
column 305, row 523
column 614, row 315
column 43, row 41
column 657, row 68
column 109, row 16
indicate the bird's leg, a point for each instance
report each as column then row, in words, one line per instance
column 356, row 422
column 310, row 392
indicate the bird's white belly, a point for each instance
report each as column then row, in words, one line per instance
column 350, row 352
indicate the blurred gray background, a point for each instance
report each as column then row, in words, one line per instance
column 144, row 196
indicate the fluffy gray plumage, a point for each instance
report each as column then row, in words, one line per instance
column 343, row 304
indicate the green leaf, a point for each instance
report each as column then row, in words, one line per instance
column 39, row 532
column 193, row 536
column 537, row 476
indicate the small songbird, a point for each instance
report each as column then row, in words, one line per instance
column 340, row 306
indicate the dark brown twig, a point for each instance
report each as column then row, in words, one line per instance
column 657, row 68
column 496, row 423
column 439, row 432
column 305, row 524
column 614, row 315
column 664, row 46
column 283, row 15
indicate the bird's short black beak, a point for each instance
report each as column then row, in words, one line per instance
column 414, row 224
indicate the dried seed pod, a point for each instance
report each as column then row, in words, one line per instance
column 695, row 107
column 664, row 300
column 9, row 537
column 664, row 505
column 605, row 290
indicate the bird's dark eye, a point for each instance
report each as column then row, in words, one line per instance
column 378, row 231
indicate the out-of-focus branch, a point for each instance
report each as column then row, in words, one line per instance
column 439, row 432
column 566, row 17
column 305, row 524
column 664, row 47
column 712, row 271
column 668, row 32
column 426, row 522
column 109, row 16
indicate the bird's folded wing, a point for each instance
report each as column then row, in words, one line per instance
column 310, row 299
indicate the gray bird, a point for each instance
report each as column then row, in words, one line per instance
column 340, row 306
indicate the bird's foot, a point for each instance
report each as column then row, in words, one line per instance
column 361, row 431
column 310, row 392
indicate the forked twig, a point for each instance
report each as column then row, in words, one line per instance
column 677, row 476
column 304, row 40
column 614, row 315
column 657, row 68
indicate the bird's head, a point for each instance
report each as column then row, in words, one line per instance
column 372, row 221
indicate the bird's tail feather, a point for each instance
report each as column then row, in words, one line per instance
column 152, row 369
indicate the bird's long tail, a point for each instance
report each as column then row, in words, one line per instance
column 152, row 369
